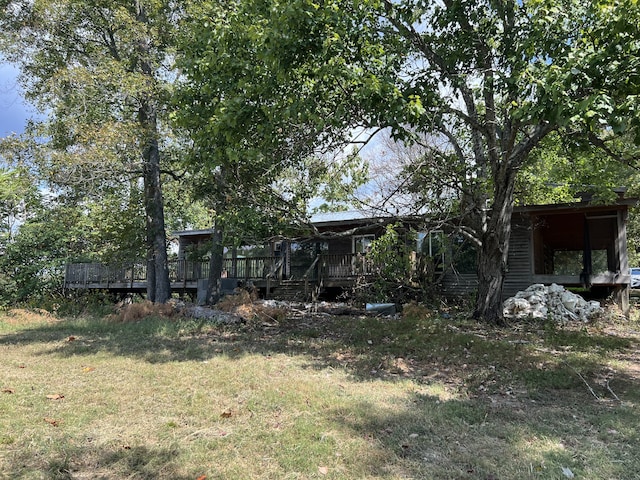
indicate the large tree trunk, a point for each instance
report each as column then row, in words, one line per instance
column 157, row 262
column 214, row 288
column 494, row 249
column 151, row 270
column 158, row 285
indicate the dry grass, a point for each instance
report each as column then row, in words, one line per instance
column 25, row 317
column 244, row 304
column 134, row 312
column 317, row 397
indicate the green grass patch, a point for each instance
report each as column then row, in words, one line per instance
column 421, row 396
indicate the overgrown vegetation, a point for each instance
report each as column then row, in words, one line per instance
column 427, row 395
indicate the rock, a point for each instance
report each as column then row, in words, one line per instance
column 553, row 302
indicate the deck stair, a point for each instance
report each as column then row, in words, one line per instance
column 293, row 290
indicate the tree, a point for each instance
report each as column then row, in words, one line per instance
column 255, row 157
column 559, row 172
column 101, row 71
column 17, row 196
column 485, row 81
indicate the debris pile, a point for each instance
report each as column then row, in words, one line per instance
column 552, row 302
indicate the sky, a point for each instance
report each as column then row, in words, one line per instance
column 14, row 111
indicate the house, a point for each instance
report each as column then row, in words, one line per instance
column 581, row 245
column 328, row 260
column 577, row 245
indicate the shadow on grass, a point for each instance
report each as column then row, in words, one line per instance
column 522, row 408
column 70, row 461
column 362, row 345
column 476, row 439
column 466, row 356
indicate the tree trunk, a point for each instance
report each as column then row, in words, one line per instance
column 154, row 209
column 157, row 262
column 214, row 288
column 151, row 272
column 494, row 250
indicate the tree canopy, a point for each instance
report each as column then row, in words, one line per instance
column 484, row 80
column 101, row 71
column 493, row 92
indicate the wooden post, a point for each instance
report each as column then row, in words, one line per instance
column 185, row 268
column 621, row 297
column 234, row 262
column 622, row 294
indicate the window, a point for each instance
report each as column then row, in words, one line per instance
column 433, row 245
column 567, row 262
column 362, row 243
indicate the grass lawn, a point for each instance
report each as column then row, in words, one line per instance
column 317, row 396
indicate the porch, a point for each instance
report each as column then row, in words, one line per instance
column 271, row 275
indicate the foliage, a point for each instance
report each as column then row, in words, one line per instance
column 55, row 229
column 18, row 195
column 101, row 71
column 557, row 172
column 32, row 266
column 254, row 159
column 390, row 255
column 482, row 82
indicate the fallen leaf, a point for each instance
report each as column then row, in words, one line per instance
column 55, row 396
column 71, row 338
column 8, row 390
column 51, row 421
column 88, row 369
column 323, row 470
column 202, row 477
column 226, row 414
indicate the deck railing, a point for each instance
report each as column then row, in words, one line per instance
column 350, row 265
column 97, row 273
column 334, row 266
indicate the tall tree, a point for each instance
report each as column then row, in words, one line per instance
column 17, row 195
column 484, row 80
column 255, row 154
column 101, row 71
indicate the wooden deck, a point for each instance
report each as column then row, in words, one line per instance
column 187, row 276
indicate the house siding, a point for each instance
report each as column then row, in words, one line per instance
column 519, row 275
column 520, row 261
column 455, row 284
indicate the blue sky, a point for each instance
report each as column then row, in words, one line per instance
column 14, row 111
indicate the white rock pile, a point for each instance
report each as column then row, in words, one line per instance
column 552, row 302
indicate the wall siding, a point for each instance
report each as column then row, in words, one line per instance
column 520, row 261
column 456, row 284
column 519, row 275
